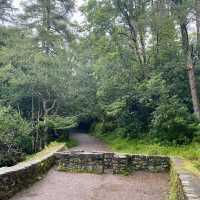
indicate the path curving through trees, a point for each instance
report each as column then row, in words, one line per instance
column 87, row 142
column 72, row 186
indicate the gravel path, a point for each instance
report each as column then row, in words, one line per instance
column 88, row 143
column 72, row 186
column 69, row 186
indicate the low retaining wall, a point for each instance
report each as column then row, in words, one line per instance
column 131, row 163
column 81, row 162
column 13, row 179
column 100, row 162
column 184, row 184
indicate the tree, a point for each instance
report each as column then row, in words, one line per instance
column 15, row 137
column 131, row 43
column 50, row 19
column 133, row 15
column 197, row 9
column 6, row 9
column 32, row 82
column 182, row 11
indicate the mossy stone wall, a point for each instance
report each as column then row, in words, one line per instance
column 100, row 162
column 14, row 179
column 184, row 184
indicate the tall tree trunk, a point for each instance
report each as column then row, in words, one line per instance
column 127, row 10
column 197, row 5
column 193, row 86
column 190, row 69
column 46, row 24
column 32, row 109
column 155, row 31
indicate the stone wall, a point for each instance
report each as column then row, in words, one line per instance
column 81, row 162
column 13, row 179
column 184, row 184
column 131, row 163
column 101, row 162
column 176, row 187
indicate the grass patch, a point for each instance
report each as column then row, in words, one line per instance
column 71, row 143
column 193, row 166
column 52, row 147
column 191, row 152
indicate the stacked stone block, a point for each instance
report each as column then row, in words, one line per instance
column 121, row 164
column 98, row 162
column 149, row 163
column 108, row 160
column 81, row 162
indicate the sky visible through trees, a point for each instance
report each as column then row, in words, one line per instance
column 77, row 16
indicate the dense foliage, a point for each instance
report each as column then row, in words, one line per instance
column 131, row 68
column 15, row 137
column 142, row 58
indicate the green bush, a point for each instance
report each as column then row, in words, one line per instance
column 97, row 129
column 15, row 138
column 133, row 130
column 132, row 124
column 60, row 123
column 114, row 110
column 109, row 126
column 197, row 134
column 172, row 123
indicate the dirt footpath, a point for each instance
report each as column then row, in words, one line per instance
column 69, row 186
column 88, row 143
